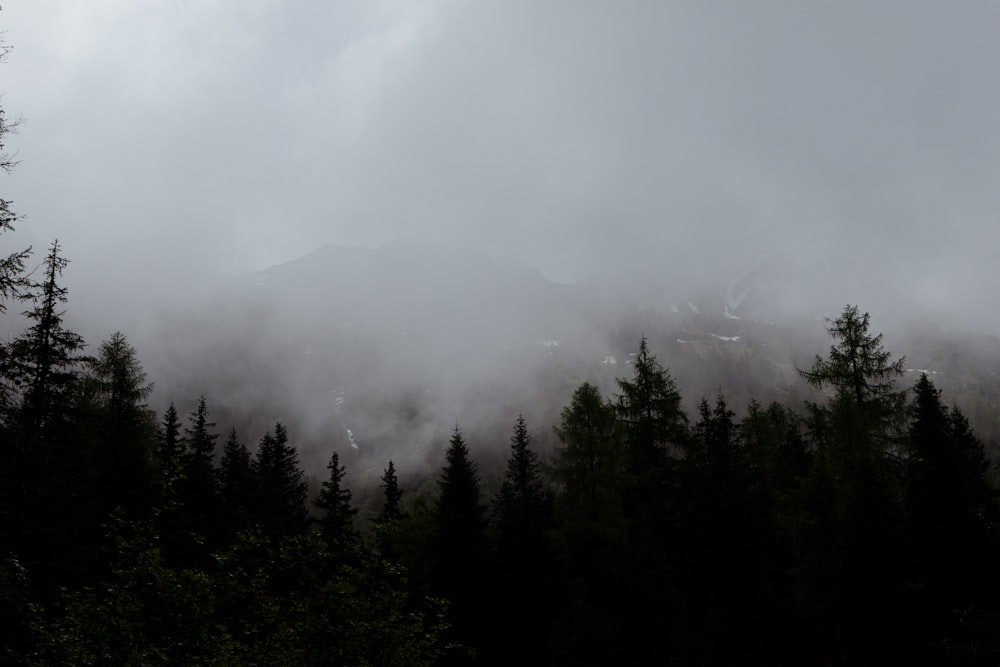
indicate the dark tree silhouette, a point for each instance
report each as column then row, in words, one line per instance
column 280, row 498
column 337, row 520
column 459, row 541
column 169, row 447
column 236, row 485
column 42, row 366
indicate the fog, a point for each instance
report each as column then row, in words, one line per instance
column 658, row 148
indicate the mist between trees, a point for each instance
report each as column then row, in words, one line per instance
column 860, row 526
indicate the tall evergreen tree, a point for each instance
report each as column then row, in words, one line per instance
column 392, row 508
column 48, row 474
column 200, row 489
column 337, row 519
column 589, row 470
column 170, row 448
column 280, row 499
column 42, row 366
column 523, row 505
column 125, row 428
column 590, row 465
column 235, row 483
column 649, row 410
column 459, row 544
column 949, row 505
column 388, row 520
column 524, row 569
column 848, row 511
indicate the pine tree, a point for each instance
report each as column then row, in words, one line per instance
column 525, row 567
column 392, row 509
column 848, row 510
column 170, row 448
column 388, row 520
column 235, row 484
column 949, row 501
column 200, row 491
column 649, row 409
column 860, row 370
column 337, row 520
column 590, row 466
column 42, row 366
column 124, row 427
column 522, row 507
column 460, row 512
column 280, row 499
column 459, row 544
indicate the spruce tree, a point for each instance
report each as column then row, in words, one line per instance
column 280, row 499
column 388, row 520
column 392, row 509
column 460, row 512
column 42, row 366
column 337, row 519
column 949, row 502
column 649, row 410
column 522, row 507
column 849, row 512
column 200, row 491
column 170, row 448
column 459, row 543
column 124, row 427
column 235, row 483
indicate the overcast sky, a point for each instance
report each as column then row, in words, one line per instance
column 861, row 137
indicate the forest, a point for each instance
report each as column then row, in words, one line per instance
column 862, row 528
column 859, row 528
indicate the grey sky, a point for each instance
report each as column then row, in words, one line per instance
column 693, row 138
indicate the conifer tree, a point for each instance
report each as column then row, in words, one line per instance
column 235, row 483
column 392, row 509
column 388, row 520
column 649, row 410
column 522, row 507
column 459, row 541
column 170, row 448
column 849, row 512
column 42, row 366
column 460, row 512
column 337, row 520
column 125, row 428
column 280, row 499
column 590, row 465
column 201, row 494
column 949, row 502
